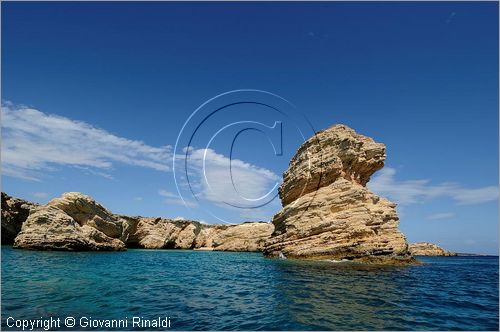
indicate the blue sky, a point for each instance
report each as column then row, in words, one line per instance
column 94, row 96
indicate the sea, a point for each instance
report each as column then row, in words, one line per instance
column 204, row 290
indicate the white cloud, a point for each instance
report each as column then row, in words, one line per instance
column 440, row 216
column 416, row 191
column 172, row 198
column 90, row 171
column 179, row 218
column 218, row 179
column 138, row 199
column 40, row 195
column 34, row 142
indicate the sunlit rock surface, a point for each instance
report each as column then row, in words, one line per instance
column 428, row 249
column 328, row 213
column 76, row 221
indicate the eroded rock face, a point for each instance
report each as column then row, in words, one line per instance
column 77, row 222
column 159, row 233
column 71, row 222
column 248, row 236
column 14, row 213
column 428, row 249
column 328, row 213
column 87, row 212
column 50, row 228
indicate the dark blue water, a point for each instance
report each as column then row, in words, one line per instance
column 244, row 291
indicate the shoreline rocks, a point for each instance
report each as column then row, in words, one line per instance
column 72, row 222
column 76, row 222
column 428, row 249
column 160, row 233
column 328, row 213
column 14, row 213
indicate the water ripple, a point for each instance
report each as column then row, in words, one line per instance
column 244, row 291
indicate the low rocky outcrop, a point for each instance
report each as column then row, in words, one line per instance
column 159, row 233
column 328, row 213
column 71, row 222
column 77, row 222
column 248, row 236
column 428, row 249
column 14, row 213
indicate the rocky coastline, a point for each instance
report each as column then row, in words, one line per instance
column 76, row 222
column 428, row 249
column 328, row 213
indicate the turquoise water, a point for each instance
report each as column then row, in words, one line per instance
column 244, row 291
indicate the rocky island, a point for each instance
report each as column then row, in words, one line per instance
column 428, row 249
column 328, row 213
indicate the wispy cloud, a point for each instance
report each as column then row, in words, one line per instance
column 440, row 216
column 415, row 191
column 90, row 171
column 40, row 194
column 218, row 179
column 172, row 198
column 34, row 142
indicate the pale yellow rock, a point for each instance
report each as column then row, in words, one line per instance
column 328, row 212
column 187, row 236
column 173, row 234
column 330, row 154
column 428, row 249
column 249, row 236
column 76, row 221
column 50, row 228
column 86, row 211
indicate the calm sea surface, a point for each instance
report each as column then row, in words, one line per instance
column 244, row 291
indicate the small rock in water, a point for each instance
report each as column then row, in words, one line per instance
column 281, row 255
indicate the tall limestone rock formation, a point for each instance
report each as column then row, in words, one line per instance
column 328, row 213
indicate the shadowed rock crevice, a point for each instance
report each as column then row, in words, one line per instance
column 14, row 213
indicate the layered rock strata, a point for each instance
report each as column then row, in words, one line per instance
column 328, row 212
column 159, row 233
column 428, row 249
column 72, row 222
column 77, row 222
